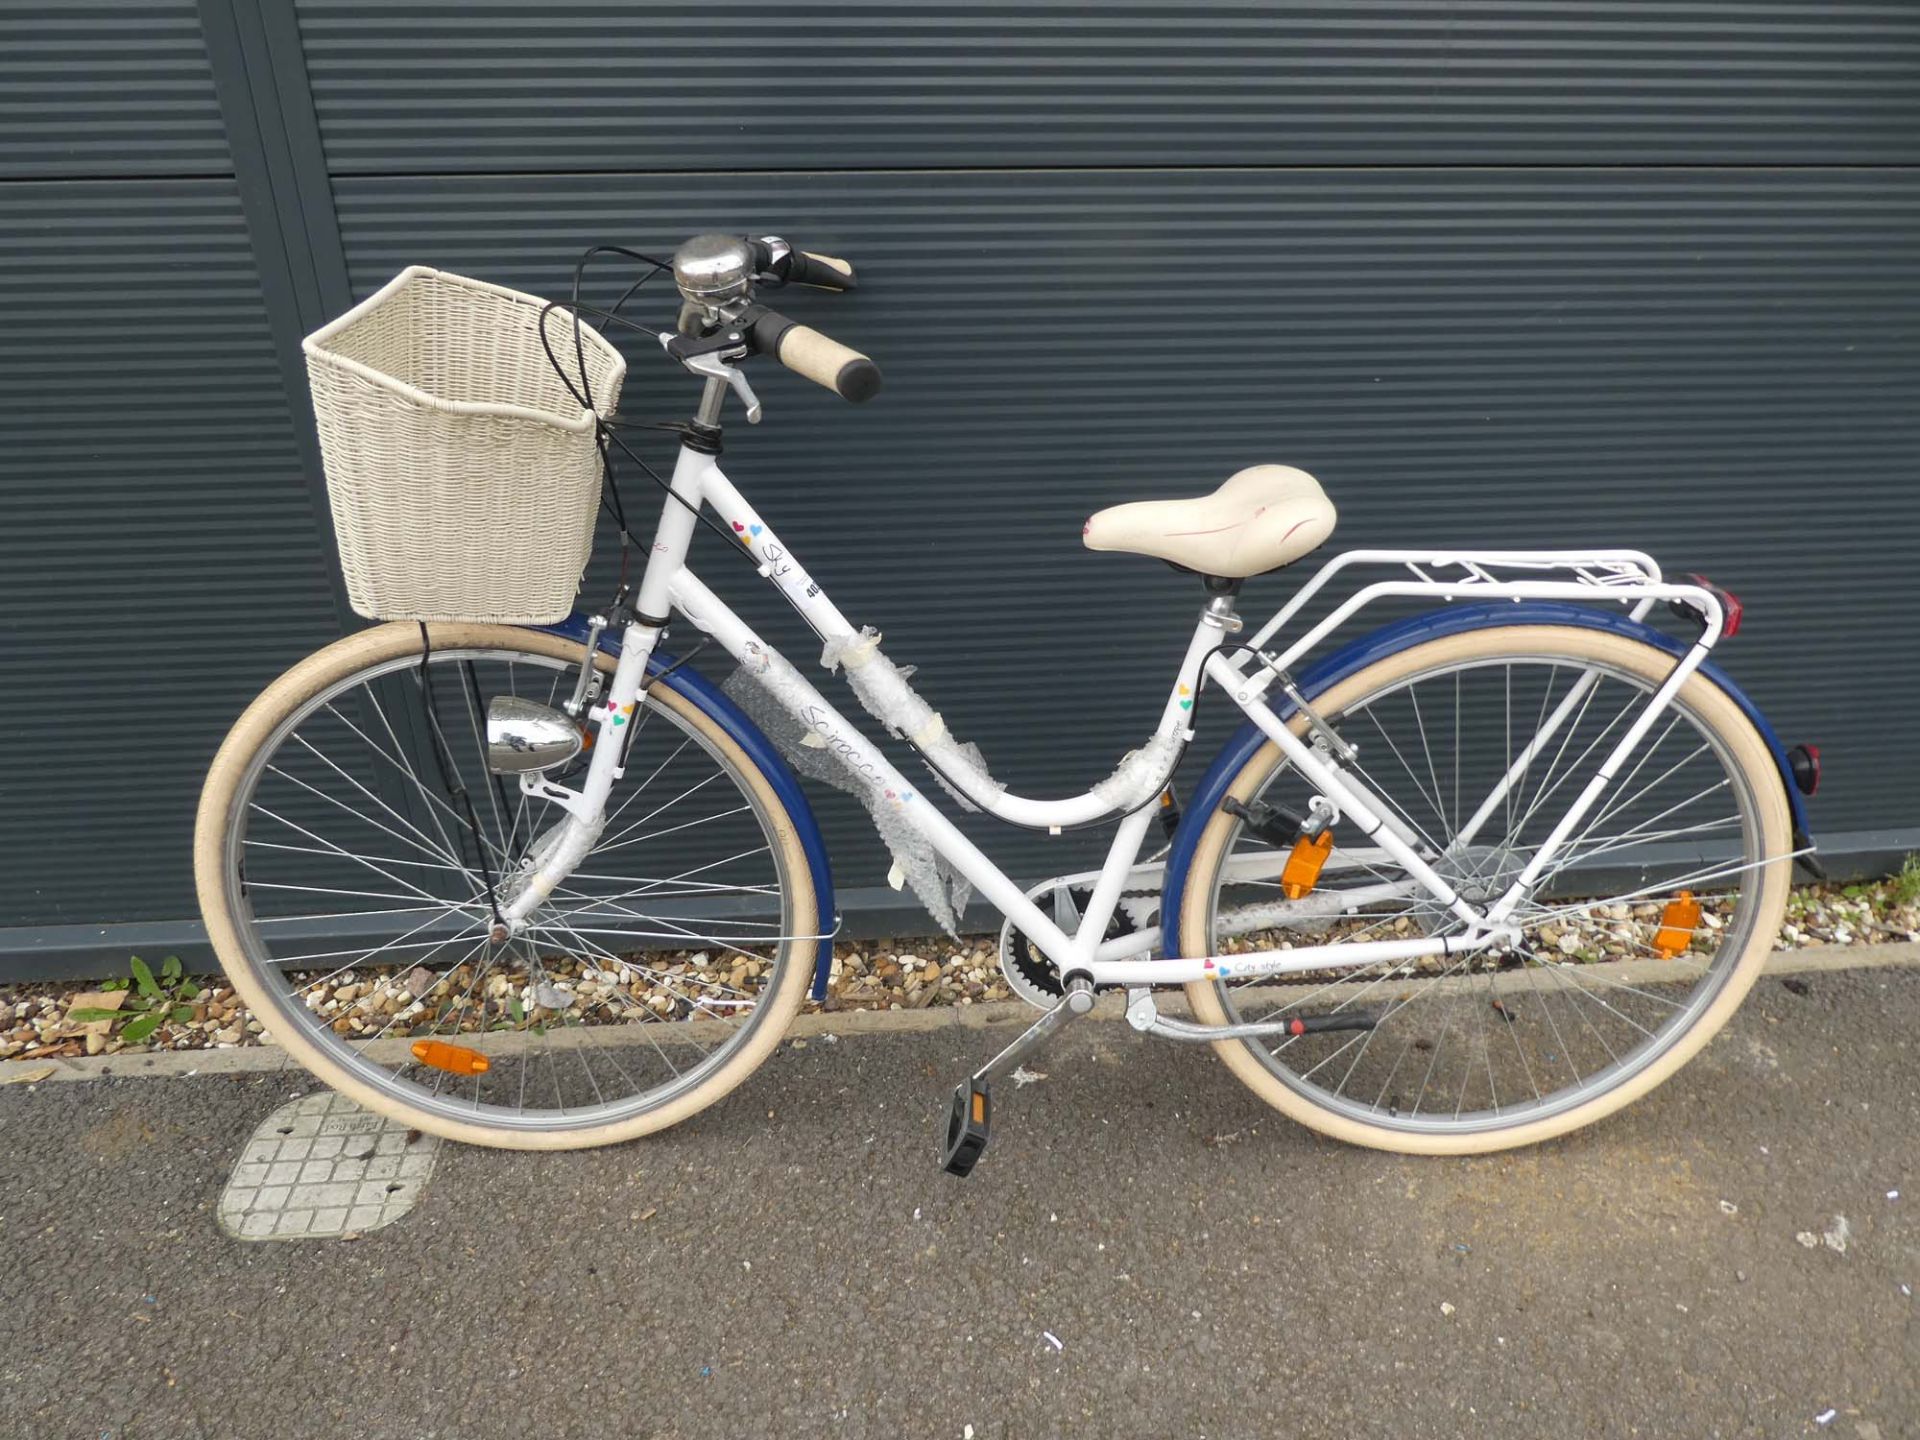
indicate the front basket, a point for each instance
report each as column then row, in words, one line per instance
column 462, row 475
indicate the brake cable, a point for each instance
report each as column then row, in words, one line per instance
column 442, row 761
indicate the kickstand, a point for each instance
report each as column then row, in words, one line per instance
column 971, row 1118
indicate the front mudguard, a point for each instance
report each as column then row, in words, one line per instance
column 691, row 685
column 1388, row 640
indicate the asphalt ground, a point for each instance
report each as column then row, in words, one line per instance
column 1145, row 1250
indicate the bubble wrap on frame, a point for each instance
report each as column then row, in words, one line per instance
column 882, row 688
column 759, row 692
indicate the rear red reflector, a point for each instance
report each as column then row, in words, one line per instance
column 1730, row 607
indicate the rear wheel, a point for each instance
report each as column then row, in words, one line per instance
column 347, row 900
column 1607, row 995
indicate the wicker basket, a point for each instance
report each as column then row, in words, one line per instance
column 463, row 478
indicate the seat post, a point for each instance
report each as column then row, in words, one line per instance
column 1220, row 611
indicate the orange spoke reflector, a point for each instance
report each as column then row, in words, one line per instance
column 454, row 1059
column 1677, row 924
column 1302, row 870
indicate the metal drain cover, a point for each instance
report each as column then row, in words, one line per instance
column 321, row 1167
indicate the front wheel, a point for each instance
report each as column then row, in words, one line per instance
column 1619, row 979
column 347, row 898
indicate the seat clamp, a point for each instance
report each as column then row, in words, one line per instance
column 1220, row 614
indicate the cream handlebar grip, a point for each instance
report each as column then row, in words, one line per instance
column 820, row 358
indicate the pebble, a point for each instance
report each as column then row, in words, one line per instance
column 881, row 974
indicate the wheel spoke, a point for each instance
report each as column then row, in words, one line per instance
column 1487, row 1039
column 362, row 917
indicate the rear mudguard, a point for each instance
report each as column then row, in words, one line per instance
column 1390, row 640
column 691, row 685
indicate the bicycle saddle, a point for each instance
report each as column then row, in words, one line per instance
column 1264, row 517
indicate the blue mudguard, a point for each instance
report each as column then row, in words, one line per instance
column 1389, row 640
column 695, row 687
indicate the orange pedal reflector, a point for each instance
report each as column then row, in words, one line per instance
column 454, row 1059
column 1677, row 924
column 1302, row 870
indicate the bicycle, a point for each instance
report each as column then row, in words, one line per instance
column 1476, row 879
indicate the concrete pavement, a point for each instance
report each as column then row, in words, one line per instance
column 1146, row 1250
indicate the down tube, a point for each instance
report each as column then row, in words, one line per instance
column 710, row 614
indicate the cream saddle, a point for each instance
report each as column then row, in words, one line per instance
column 1264, row 517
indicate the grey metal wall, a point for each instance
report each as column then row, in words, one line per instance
column 159, row 553
column 1518, row 273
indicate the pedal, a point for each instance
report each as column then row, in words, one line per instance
column 967, row 1127
column 972, row 1108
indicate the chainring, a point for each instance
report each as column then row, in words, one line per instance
column 1033, row 977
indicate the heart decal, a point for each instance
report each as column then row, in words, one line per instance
column 1185, row 704
column 738, row 526
column 756, row 529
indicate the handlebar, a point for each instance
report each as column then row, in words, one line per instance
column 717, row 275
column 780, row 262
column 820, row 358
column 801, row 348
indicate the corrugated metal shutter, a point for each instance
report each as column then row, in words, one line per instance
column 1711, row 364
column 107, row 89
column 159, row 555
column 1519, row 272
column 876, row 84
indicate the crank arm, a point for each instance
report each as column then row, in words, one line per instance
column 969, row 1122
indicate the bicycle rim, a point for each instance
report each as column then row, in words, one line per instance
column 349, row 865
column 1478, row 1044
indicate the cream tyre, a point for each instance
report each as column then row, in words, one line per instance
column 226, row 914
column 1748, row 763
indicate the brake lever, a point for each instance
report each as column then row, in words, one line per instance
column 712, row 364
column 778, row 251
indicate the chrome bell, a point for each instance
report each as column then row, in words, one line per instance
column 713, row 269
column 523, row 737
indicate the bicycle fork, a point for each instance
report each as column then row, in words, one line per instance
column 558, row 852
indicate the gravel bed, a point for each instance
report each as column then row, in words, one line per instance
column 37, row 1021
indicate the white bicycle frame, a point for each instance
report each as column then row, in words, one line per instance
column 1626, row 577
